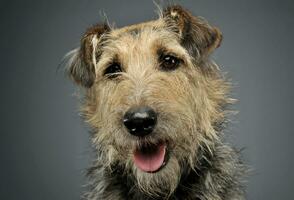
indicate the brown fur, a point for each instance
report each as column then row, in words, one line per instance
column 189, row 100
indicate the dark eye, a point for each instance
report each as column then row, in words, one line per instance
column 112, row 70
column 168, row 62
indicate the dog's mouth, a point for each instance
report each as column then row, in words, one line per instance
column 150, row 157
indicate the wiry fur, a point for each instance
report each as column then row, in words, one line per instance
column 190, row 102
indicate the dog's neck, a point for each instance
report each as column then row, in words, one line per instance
column 221, row 167
column 189, row 180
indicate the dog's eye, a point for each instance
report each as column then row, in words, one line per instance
column 112, row 70
column 169, row 62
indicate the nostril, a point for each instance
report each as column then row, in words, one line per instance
column 140, row 121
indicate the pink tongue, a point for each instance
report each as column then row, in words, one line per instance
column 150, row 161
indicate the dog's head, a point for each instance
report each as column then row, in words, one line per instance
column 152, row 96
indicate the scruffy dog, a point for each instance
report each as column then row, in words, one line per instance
column 156, row 104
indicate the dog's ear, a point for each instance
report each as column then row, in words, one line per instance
column 82, row 61
column 197, row 36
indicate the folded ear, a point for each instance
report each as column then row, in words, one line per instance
column 82, row 61
column 197, row 36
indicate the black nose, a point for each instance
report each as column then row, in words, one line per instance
column 140, row 121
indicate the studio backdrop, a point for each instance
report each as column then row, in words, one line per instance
column 44, row 144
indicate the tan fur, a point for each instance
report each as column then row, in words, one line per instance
column 189, row 100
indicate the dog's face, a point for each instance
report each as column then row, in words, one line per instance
column 151, row 95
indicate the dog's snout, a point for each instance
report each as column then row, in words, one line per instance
column 140, row 121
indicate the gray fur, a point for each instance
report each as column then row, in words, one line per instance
column 218, row 176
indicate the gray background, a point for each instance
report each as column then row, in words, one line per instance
column 44, row 145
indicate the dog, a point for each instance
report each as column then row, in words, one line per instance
column 156, row 104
